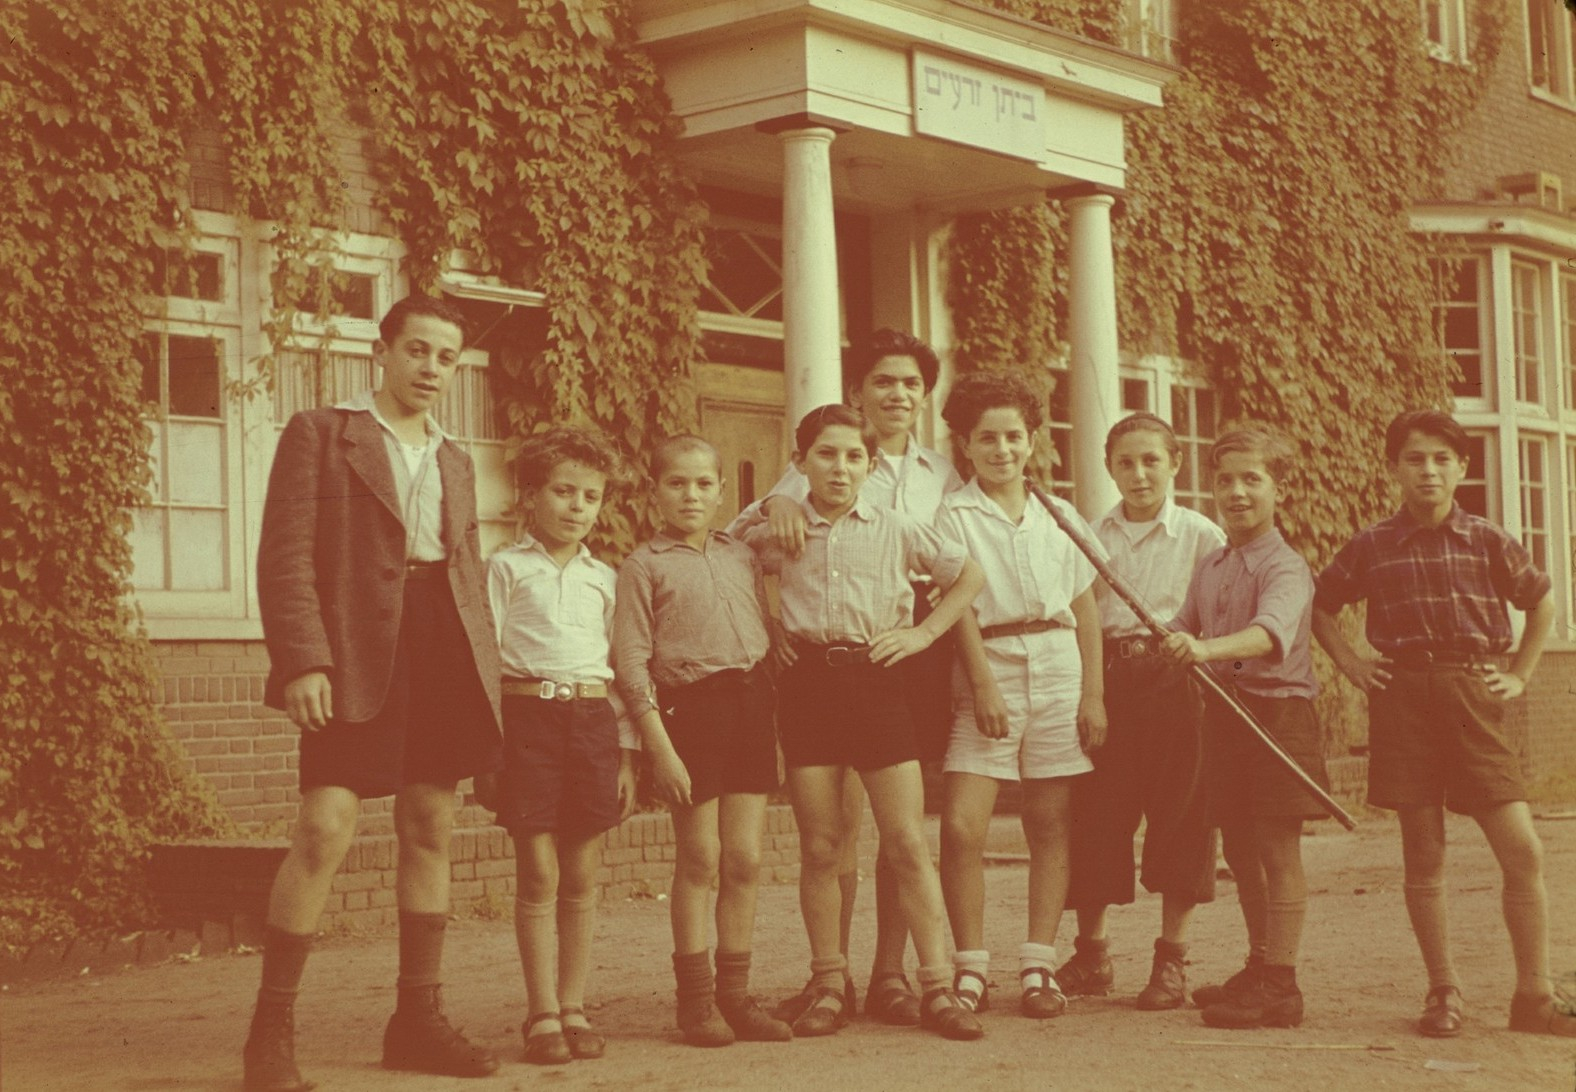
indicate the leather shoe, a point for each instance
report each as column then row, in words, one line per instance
column 1441, row 1017
column 583, row 1042
column 1205, row 996
column 421, row 1039
column 1089, row 973
column 942, row 1012
column 1542, row 1015
column 789, row 1009
column 1042, row 998
column 1167, row 988
column 1272, row 1000
column 548, row 1047
column 825, row 1014
column 750, row 1023
column 269, row 1056
column 890, row 999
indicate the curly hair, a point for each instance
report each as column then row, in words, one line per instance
column 977, row 392
column 566, row 443
column 885, row 342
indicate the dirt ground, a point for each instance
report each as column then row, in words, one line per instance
column 180, row 1025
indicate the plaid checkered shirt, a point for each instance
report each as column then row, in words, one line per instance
column 1440, row 589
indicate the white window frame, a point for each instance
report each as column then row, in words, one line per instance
column 1560, row 88
column 1444, row 303
column 1528, row 322
column 1151, row 29
column 1444, row 29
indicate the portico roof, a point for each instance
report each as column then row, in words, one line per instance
column 939, row 105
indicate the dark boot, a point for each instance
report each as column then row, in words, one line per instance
column 1205, row 996
column 1167, row 987
column 420, row 1038
column 698, row 1018
column 750, row 1023
column 1089, row 972
column 1271, row 1001
column 269, row 1055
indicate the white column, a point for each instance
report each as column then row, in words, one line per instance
column 812, row 327
column 1096, row 392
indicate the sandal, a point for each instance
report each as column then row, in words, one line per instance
column 826, row 1013
column 583, row 1042
column 548, row 1048
column 972, row 997
column 1041, row 999
column 789, row 1009
column 892, row 1000
column 951, row 1019
column 1441, row 1017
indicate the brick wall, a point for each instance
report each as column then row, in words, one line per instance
column 1512, row 132
column 1548, row 716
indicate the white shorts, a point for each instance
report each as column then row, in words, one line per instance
column 1040, row 676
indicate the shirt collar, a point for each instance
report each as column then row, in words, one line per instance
column 662, row 542
column 1257, row 552
column 861, row 509
column 365, row 402
column 1457, row 522
column 1167, row 518
column 972, row 496
column 530, row 544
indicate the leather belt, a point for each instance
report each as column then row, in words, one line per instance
column 1421, row 659
column 548, row 690
column 1021, row 629
column 426, row 570
column 834, row 655
column 1129, row 648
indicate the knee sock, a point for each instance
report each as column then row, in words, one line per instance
column 1283, row 930
column 576, row 923
column 733, row 976
column 1527, row 919
column 533, row 932
column 420, row 950
column 971, row 989
column 1425, row 905
column 284, row 961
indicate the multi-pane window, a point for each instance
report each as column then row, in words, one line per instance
column 1475, row 493
column 1152, row 29
column 179, row 538
column 1551, row 28
column 1570, row 525
column 1527, row 330
column 1534, row 467
column 1568, row 292
column 1458, row 321
column 745, row 274
column 1444, row 29
column 1060, row 422
column 1194, row 418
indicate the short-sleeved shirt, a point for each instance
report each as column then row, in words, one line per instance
column 1265, row 583
column 1033, row 571
column 851, row 582
column 913, row 483
column 555, row 623
column 684, row 614
column 1157, row 559
column 1442, row 589
column 416, row 478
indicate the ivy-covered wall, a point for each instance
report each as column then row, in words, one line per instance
column 531, row 135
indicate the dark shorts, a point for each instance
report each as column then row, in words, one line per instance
column 436, row 724
column 1246, row 780
column 724, row 732
column 929, row 687
column 1436, row 736
column 560, row 766
column 1151, row 768
column 844, row 716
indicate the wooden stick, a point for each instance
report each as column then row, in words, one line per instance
column 1205, row 677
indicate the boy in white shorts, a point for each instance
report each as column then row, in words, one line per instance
column 1029, row 687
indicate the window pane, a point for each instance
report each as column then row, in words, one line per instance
column 1527, row 327
column 194, row 376
column 1135, row 394
column 156, row 459
column 196, row 463
column 148, row 360
column 196, row 550
column 1534, row 501
column 147, row 548
column 1569, row 284
column 1472, row 493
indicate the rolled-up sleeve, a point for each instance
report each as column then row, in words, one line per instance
column 1285, row 592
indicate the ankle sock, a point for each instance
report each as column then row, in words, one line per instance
column 828, row 972
column 975, row 961
column 932, row 978
column 1032, row 956
column 692, row 973
column 733, row 975
column 284, row 961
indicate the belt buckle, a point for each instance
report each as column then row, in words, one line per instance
column 552, row 691
column 839, row 655
column 1138, row 648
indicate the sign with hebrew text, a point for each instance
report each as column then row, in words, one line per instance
column 969, row 104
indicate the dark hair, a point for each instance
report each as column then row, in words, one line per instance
column 1142, row 422
column 393, row 322
column 862, row 357
column 566, row 443
column 1430, row 422
column 977, row 392
column 1260, row 440
column 683, row 444
column 818, row 420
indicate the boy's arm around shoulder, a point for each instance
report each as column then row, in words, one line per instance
column 292, row 611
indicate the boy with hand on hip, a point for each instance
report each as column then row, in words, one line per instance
column 369, row 580
column 568, row 772
column 691, row 627
column 1249, row 609
column 1437, row 582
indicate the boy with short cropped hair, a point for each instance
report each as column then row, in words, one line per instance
column 380, row 647
column 690, row 638
column 1249, row 609
column 1437, row 581
column 568, row 773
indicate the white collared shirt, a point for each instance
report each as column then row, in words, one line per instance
column 1156, row 559
column 1033, row 571
column 416, row 480
column 555, row 623
column 913, row 483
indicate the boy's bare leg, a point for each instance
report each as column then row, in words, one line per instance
column 741, row 823
column 536, row 899
column 1175, row 914
column 852, row 804
column 324, row 829
column 970, row 800
column 424, row 823
column 1519, row 852
column 1092, row 923
column 1045, row 819
column 817, row 794
column 694, row 874
column 1423, row 855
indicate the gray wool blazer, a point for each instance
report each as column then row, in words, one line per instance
column 331, row 561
